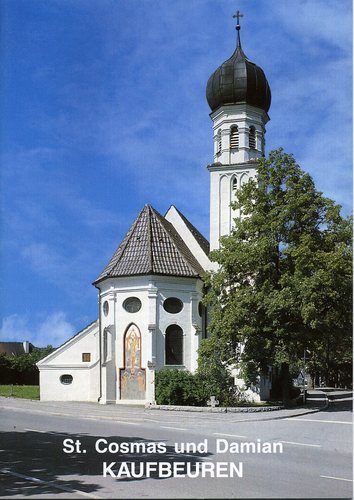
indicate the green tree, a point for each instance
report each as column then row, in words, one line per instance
column 284, row 278
column 22, row 369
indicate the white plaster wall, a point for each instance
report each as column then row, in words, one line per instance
column 244, row 116
column 71, row 352
column 178, row 223
column 190, row 293
column 152, row 321
column 67, row 360
column 224, row 203
column 84, row 387
column 221, row 195
column 117, row 290
column 232, row 163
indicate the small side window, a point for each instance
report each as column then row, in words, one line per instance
column 86, row 357
column 66, row 379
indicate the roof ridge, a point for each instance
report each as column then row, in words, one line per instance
column 149, row 235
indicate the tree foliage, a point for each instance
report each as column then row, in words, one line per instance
column 22, row 369
column 284, row 278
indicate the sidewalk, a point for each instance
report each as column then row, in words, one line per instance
column 96, row 411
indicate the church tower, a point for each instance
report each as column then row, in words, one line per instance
column 239, row 97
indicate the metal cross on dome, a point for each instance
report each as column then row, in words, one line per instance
column 237, row 17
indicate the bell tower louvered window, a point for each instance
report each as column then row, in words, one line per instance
column 252, row 137
column 234, row 137
column 219, row 142
column 234, row 184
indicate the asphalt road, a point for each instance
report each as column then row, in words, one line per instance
column 316, row 461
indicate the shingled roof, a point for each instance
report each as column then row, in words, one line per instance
column 152, row 246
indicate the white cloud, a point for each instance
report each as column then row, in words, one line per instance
column 54, row 329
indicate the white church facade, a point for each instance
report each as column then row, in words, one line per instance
column 150, row 293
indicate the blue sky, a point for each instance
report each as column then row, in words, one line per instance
column 104, row 110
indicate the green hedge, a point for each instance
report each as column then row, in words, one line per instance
column 181, row 387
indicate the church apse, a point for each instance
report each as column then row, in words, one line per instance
column 132, row 376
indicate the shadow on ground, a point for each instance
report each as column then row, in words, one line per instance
column 40, row 455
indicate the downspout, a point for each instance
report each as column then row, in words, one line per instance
column 100, row 340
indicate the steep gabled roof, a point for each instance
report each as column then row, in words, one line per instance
column 152, row 246
column 74, row 338
column 203, row 242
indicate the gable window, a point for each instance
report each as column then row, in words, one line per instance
column 174, row 345
column 234, row 137
column 86, row 357
column 66, row 379
column 252, row 137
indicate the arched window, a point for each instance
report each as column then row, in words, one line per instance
column 105, row 345
column 219, row 142
column 252, row 137
column 234, row 138
column 174, row 345
column 234, row 184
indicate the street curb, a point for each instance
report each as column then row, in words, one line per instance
column 326, row 405
column 241, row 409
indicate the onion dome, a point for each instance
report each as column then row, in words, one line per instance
column 238, row 80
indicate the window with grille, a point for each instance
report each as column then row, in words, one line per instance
column 66, row 379
column 234, row 138
column 252, row 138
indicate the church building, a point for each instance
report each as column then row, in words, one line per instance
column 150, row 292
